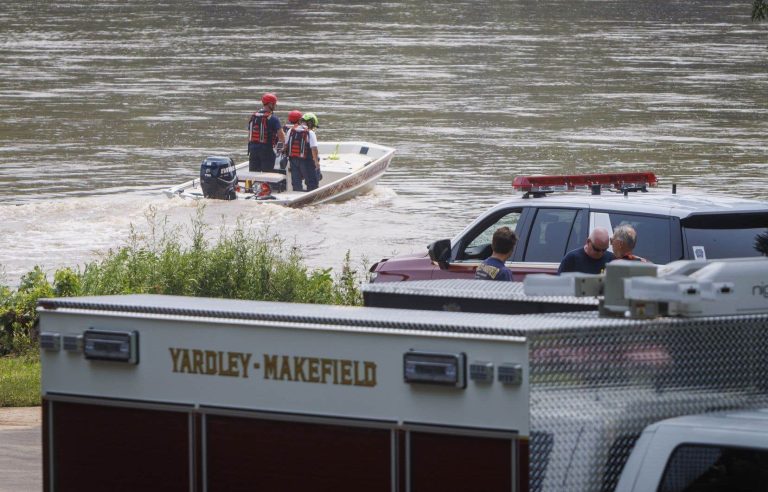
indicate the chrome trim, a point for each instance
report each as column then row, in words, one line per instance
column 460, row 431
column 543, row 265
column 297, row 417
column 416, row 327
column 529, row 265
column 111, row 402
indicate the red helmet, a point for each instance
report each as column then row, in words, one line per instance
column 294, row 116
column 268, row 98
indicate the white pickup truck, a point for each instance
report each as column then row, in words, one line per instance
column 725, row 451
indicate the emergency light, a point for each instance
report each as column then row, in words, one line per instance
column 481, row 371
column 570, row 182
column 511, row 374
column 435, row 368
column 72, row 342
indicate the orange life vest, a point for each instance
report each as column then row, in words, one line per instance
column 298, row 143
column 257, row 127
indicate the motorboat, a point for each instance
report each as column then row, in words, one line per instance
column 347, row 169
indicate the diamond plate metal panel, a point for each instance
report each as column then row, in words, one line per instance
column 593, row 390
column 471, row 289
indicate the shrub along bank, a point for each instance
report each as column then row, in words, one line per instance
column 240, row 264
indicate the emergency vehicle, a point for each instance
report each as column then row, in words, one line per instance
column 554, row 215
column 147, row 392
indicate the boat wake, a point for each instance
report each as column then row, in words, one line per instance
column 72, row 231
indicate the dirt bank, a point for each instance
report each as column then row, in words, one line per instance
column 19, row 417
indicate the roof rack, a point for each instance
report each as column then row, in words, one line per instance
column 540, row 185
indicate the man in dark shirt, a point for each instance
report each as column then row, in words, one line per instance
column 502, row 244
column 592, row 257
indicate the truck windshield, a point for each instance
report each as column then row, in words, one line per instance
column 723, row 236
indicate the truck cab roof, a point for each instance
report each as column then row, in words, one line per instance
column 657, row 202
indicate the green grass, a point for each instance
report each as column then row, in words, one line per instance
column 19, row 381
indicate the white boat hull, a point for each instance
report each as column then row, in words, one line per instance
column 348, row 168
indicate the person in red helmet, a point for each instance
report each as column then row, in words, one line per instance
column 294, row 118
column 301, row 147
column 264, row 133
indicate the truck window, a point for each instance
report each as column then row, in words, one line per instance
column 653, row 240
column 723, row 236
column 694, row 467
column 480, row 246
column 551, row 229
column 580, row 231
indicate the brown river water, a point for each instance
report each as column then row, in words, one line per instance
column 105, row 103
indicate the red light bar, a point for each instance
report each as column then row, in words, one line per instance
column 572, row 181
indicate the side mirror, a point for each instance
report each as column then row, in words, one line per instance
column 440, row 252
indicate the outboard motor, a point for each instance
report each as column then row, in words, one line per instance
column 218, row 178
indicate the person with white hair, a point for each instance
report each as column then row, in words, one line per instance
column 592, row 257
column 623, row 241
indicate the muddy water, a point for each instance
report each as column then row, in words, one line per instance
column 104, row 104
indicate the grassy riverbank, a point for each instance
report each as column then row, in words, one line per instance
column 19, row 381
column 241, row 263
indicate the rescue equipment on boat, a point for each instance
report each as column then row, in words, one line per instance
column 265, row 184
column 264, row 189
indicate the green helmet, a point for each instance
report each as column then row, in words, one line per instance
column 311, row 117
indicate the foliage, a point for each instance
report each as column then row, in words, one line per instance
column 244, row 263
column 18, row 319
column 348, row 285
column 759, row 10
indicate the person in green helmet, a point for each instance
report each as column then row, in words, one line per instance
column 313, row 123
column 302, row 153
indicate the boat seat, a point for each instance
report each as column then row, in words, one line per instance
column 260, row 177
